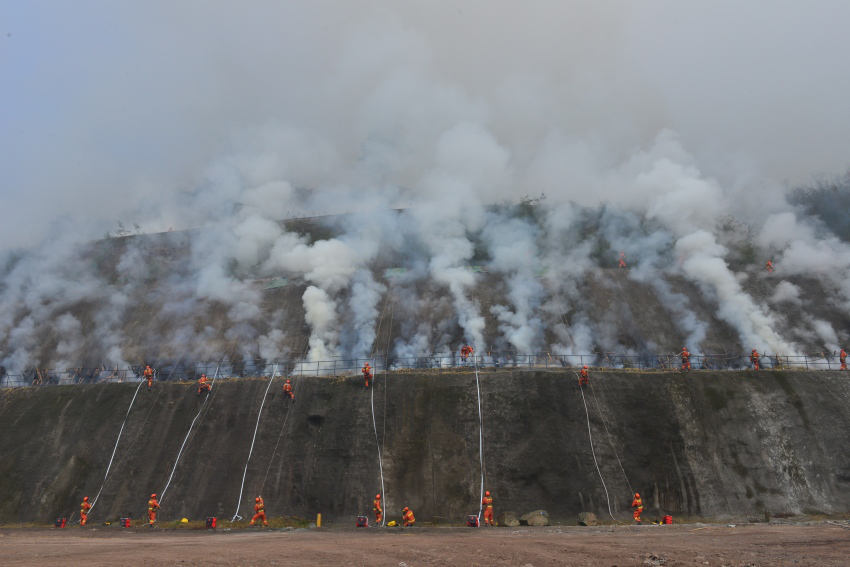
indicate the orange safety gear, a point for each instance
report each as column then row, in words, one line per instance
column 637, row 504
column 259, row 511
column 287, row 389
column 376, row 507
column 754, row 358
column 408, row 518
column 843, row 358
column 84, row 511
column 367, row 373
column 622, row 259
column 153, row 506
column 582, row 378
column 203, row 385
column 148, row 374
column 769, row 266
column 487, row 502
column 686, row 359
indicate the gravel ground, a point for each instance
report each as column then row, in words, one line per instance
column 759, row 544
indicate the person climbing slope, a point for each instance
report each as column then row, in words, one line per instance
column 148, row 374
column 203, row 384
column 367, row 374
column 287, row 390
column 583, row 376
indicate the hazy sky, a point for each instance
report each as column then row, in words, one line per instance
column 109, row 106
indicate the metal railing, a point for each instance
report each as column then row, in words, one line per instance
column 438, row 361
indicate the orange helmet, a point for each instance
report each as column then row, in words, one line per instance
column 585, row 366
column 754, row 350
column 153, row 495
column 85, row 498
column 406, row 509
column 287, row 381
column 637, row 495
column 487, row 493
column 378, row 496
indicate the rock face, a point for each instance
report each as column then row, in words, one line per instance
column 508, row 519
column 587, row 519
column 536, row 518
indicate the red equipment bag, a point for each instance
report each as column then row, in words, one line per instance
column 124, row 522
column 362, row 522
column 60, row 522
column 472, row 521
column 668, row 519
column 211, row 522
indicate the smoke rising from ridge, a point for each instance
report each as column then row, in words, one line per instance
column 232, row 121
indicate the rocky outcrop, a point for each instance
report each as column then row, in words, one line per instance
column 536, row 518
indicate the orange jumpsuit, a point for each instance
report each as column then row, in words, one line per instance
column 637, row 504
column 769, row 266
column 464, row 352
column 367, row 374
column 379, row 512
column 408, row 518
column 84, row 512
column 287, row 389
column 153, row 506
column 622, row 259
column 843, row 358
column 488, row 510
column 583, row 377
column 754, row 358
column 686, row 360
column 259, row 512
column 203, row 385
column 149, row 376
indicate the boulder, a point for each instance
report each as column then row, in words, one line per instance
column 536, row 518
column 587, row 519
column 508, row 519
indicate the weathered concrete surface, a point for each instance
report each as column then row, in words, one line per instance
column 739, row 445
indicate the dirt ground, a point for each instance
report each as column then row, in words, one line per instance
column 714, row 545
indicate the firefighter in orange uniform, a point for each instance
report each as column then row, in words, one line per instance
column 367, row 374
column 686, row 359
column 149, row 376
column 583, row 377
column 408, row 518
column 203, row 384
column 622, row 259
column 769, row 266
column 153, row 507
column 754, row 358
column 84, row 511
column 259, row 511
column 637, row 504
column 843, row 358
column 379, row 512
column 465, row 352
column 287, row 390
column 487, row 502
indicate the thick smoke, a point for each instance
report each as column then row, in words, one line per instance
column 479, row 206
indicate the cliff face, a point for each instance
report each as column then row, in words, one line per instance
column 731, row 444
